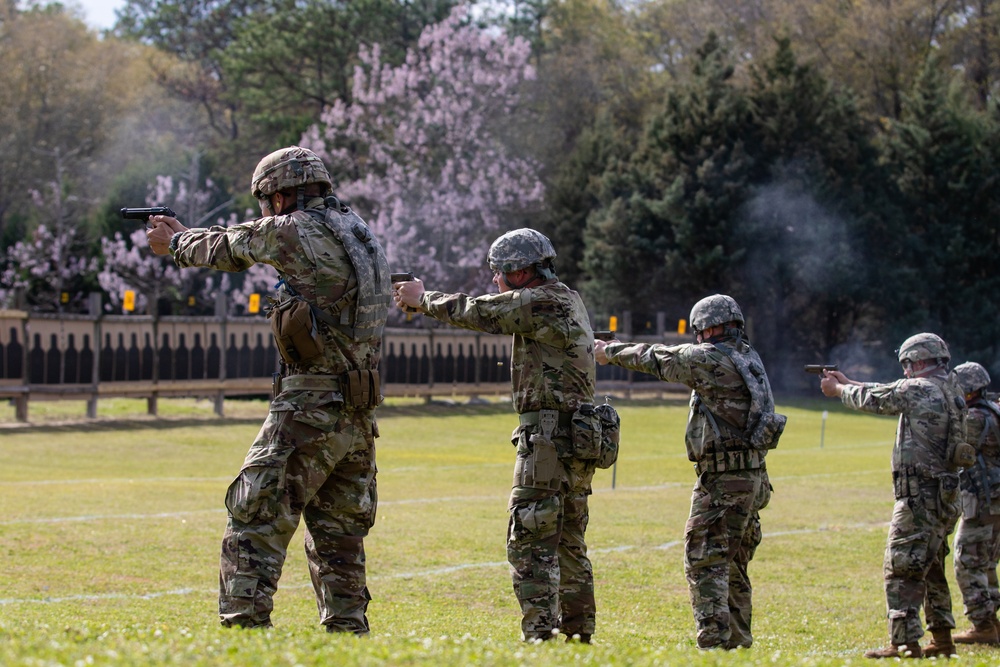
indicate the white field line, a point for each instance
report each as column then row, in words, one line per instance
column 405, row 501
column 417, row 574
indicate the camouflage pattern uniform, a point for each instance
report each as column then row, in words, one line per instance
column 552, row 368
column 977, row 540
column 926, row 501
column 723, row 529
column 314, row 457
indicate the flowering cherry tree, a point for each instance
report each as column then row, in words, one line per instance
column 131, row 265
column 52, row 261
column 420, row 150
column 44, row 267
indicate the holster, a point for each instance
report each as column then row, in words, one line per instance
column 540, row 469
column 275, row 384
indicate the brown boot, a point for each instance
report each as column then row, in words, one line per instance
column 983, row 632
column 911, row 650
column 941, row 644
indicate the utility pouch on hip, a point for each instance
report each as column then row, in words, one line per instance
column 361, row 389
column 610, row 434
column 964, row 456
column 768, row 429
column 585, row 433
column 295, row 333
column 541, row 468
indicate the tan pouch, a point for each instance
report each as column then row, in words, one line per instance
column 295, row 333
column 361, row 389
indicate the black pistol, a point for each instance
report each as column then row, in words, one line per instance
column 605, row 335
column 817, row 369
column 144, row 213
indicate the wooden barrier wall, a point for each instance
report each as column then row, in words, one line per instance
column 45, row 356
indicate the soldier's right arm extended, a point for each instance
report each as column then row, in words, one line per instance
column 490, row 313
column 667, row 362
column 239, row 247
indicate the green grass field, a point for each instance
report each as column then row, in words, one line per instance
column 109, row 539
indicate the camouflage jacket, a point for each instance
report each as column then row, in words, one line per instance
column 288, row 242
column 710, row 374
column 552, row 355
column 922, row 432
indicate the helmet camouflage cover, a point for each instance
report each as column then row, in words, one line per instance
column 715, row 310
column 519, row 249
column 972, row 377
column 288, row 168
column 923, row 346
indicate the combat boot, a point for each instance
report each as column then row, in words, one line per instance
column 911, row 650
column 983, row 632
column 941, row 644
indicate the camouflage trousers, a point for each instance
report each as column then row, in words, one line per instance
column 721, row 536
column 310, row 460
column 977, row 550
column 547, row 551
column 913, row 566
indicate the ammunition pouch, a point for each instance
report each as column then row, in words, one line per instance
column 295, row 332
column 727, row 461
column 906, row 482
column 361, row 389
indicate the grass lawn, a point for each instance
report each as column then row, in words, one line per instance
column 110, row 531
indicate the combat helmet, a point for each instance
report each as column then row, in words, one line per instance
column 289, row 168
column 713, row 311
column 521, row 248
column 923, row 346
column 972, row 377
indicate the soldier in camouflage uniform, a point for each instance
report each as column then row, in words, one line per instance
column 552, row 378
column 931, row 424
column 314, row 457
column 977, row 541
column 723, row 529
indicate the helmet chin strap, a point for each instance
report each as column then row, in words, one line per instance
column 526, row 283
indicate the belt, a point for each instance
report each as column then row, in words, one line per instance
column 740, row 459
column 311, row 382
column 531, row 418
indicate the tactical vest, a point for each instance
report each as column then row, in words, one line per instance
column 360, row 313
column 992, row 421
column 764, row 426
column 954, row 404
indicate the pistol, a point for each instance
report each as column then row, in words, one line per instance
column 605, row 335
column 403, row 277
column 144, row 213
column 817, row 369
